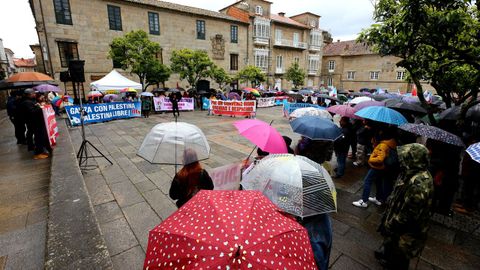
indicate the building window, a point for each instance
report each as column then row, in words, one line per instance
column 296, row 39
column 279, row 63
column 316, row 38
column 278, row 35
column 261, row 28
column 234, row 34
column 62, row 11
column 153, row 23
column 68, row 51
column 233, row 61
column 329, row 81
column 400, row 75
column 200, row 29
column 114, row 18
column 261, row 58
column 374, row 75
column 296, row 60
column 331, row 65
column 258, row 10
column 350, row 75
column 313, row 64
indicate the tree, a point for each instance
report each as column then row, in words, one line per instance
column 192, row 65
column 433, row 39
column 220, row 76
column 158, row 73
column 296, row 75
column 136, row 52
column 251, row 74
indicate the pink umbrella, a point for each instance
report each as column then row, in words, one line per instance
column 262, row 135
column 365, row 104
column 343, row 110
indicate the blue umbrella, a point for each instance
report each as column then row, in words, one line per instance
column 474, row 152
column 433, row 133
column 316, row 128
column 382, row 114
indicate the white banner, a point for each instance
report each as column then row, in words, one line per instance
column 226, row 177
column 164, row 104
column 266, row 102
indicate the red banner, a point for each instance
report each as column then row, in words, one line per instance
column 233, row 107
column 50, row 124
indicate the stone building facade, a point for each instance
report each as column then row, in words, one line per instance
column 78, row 29
column 351, row 66
column 276, row 41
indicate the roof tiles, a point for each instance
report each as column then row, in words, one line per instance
column 346, row 48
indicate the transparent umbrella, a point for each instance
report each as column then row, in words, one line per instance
column 295, row 184
column 168, row 143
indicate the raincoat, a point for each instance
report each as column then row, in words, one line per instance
column 377, row 158
column 405, row 221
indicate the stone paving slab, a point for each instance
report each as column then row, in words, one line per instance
column 140, row 192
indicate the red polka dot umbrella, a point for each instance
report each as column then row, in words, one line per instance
column 229, row 230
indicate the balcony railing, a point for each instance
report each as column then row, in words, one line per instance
column 312, row 71
column 290, row 43
column 316, row 48
column 279, row 71
column 261, row 40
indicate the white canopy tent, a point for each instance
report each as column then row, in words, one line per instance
column 114, row 81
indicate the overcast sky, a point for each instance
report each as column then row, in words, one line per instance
column 342, row 18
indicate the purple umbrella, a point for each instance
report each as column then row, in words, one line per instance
column 365, row 104
column 410, row 99
column 109, row 97
column 45, row 88
column 343, row 110
column 233, row 95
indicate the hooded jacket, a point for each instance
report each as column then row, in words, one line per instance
column 377, row 158
column 409, row 207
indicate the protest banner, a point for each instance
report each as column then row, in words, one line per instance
column 95, row 113
column 288, row 108
column 50, row 124
column 164, row 104
column 233, row 108
column 266, row 102
column 226, row 177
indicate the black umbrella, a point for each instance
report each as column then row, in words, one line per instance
column 408, row 107
column 390, row 101
column 452, row 113
column 474, row 113
column 329, row 97
column 345, row 92
column 4, row 85
column 173, row 90
column 357, row 94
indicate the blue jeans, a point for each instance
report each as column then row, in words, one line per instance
column 341, row 160
column 319, row 230
column 377, row 176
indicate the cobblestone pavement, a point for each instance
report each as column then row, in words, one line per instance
column 130, row 197
column 23, row 203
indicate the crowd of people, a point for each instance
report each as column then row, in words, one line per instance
column 24, row 108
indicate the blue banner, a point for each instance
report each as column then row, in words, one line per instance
column 205, row 103
column 288, row 108
column 95, row 113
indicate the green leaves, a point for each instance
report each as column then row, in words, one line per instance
column 296, row 75
column 220, row 76
column 191, row 65
column 136, row 52
column 251, row 74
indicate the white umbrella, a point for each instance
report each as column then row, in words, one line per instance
column 146, row 94
column 167, row 143
column 357, row 100
column 296, row 184
column 311, row 111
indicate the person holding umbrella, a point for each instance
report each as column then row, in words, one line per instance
column 146, row 106
column 342, row 145
column 190, row 179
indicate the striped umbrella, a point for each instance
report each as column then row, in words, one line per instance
column 433, row 133
column 382, row 114
column 474, row 151
column 295, row 184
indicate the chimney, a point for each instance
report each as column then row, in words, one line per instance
column 338, row 40
column 281, row 14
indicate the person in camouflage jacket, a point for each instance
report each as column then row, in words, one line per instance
column 405, row 221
